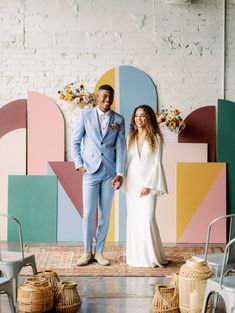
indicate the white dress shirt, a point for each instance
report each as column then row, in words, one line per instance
column 104, row 118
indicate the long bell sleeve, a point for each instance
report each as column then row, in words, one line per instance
column 156, row 180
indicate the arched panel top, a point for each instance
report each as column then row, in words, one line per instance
column 13, row 116
column 201, row 128
column 45, row 133
column 132, row 86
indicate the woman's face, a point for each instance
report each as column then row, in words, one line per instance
column 140, row 118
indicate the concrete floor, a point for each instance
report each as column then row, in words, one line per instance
column 112, row 294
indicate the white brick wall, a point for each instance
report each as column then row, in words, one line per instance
column 46, row 44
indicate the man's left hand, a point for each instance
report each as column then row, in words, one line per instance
column 117, row 182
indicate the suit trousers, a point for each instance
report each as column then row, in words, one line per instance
column 97, row 190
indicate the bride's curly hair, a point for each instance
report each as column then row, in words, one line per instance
column 153, row 131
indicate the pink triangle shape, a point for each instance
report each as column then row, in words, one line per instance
column 71, row 180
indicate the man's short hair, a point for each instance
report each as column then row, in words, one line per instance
column 106, row 87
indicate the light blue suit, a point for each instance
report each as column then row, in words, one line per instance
column 103, row 157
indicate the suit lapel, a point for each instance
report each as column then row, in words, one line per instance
column 97, row 122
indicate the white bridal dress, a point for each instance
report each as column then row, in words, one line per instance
column 144, row 246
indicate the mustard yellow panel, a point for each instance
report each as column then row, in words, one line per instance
column 194, row 180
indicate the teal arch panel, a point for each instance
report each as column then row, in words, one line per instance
column 33, row 200
column 226, row 147
column 135, row 88
column 69, row 222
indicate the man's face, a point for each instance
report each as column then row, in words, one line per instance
column 104, row 100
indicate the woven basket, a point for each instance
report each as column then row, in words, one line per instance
column 165, row 299
column 35, row 295
column 67, row 299
column 51, row 277
column 192, row 277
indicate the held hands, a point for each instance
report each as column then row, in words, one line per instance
column 117, row 182
column 144, row 192
column 82, row 170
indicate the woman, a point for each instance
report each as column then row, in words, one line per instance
column 145, row 181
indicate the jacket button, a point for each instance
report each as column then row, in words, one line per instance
column 102, row 154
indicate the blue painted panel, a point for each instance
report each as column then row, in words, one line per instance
column 69, row 222
column 135, row 88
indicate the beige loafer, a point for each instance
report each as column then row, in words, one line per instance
column 101, row 259
column 85, row 259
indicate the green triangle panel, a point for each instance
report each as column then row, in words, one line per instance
column 226, row 147
column 33, row 200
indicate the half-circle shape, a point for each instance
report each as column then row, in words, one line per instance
column 201, row 128
column 12, row 116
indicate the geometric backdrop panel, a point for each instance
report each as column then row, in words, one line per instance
column 12, row 161
column 33, row 200
column 226, row 146
column 13, row 116
column 71, row 181
column 135, row 88
column 69, row 221
column 166, row 205
column 201, row 127
column 45, row 133
column 201, row 197
column 12, row 144
column 110, row 78
column 132, row 87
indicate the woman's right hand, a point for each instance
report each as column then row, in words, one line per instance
column 144, row 192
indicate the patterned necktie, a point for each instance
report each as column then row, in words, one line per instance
column 104, row 123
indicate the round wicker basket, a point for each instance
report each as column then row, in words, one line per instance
column 67, row 299
column 35, row 295
column 192, row 277
column 51, row 277
column 165, row 299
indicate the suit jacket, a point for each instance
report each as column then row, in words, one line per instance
column 89, row 148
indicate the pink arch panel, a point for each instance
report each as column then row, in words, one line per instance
column 201, row 128
column 45, row 133
column 12, row 116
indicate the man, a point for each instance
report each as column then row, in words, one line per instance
column 98, row 151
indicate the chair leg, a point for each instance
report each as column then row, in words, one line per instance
column 11, row 302
column 205, row 302
column 14, row 288
column 215, row 299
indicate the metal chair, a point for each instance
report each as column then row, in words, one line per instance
column 11, row 262
column 6, row 287
column 223, row 286
column 215, row 260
